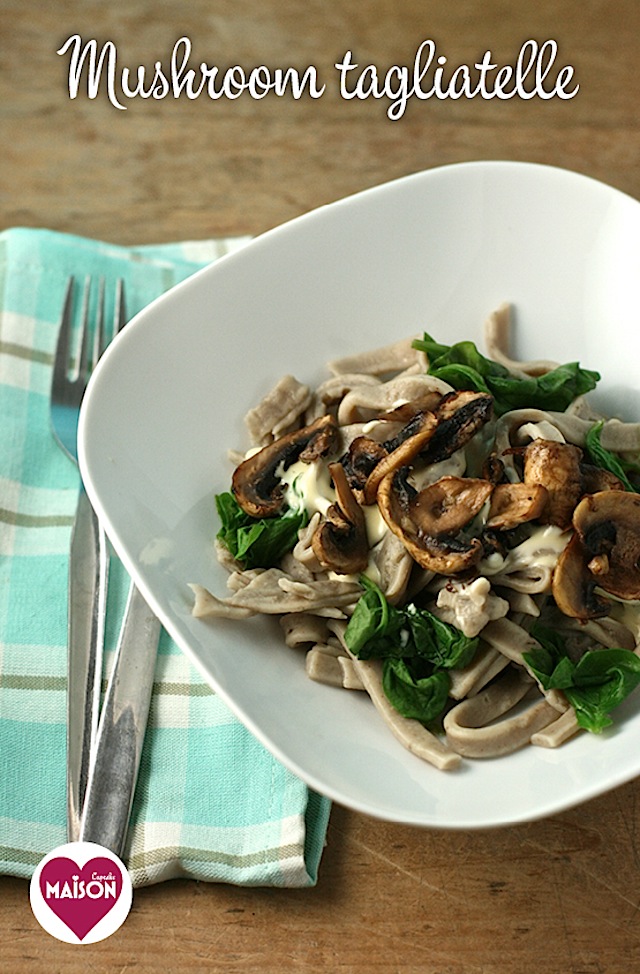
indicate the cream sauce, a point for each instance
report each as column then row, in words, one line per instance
column 308, row 488
column 540, row 550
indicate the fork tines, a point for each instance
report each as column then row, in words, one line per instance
column 80, row 347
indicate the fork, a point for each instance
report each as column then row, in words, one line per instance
column 89, row 560
column 104, row 749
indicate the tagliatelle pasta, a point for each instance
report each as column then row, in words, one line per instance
column 456, row 535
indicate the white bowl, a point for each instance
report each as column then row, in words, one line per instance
column 438, row 250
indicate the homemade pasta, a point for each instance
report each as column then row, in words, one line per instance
column 457, row 536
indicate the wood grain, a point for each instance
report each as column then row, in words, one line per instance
column 555, row 896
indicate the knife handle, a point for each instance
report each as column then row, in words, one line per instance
column 88, row 575
column 118, row 747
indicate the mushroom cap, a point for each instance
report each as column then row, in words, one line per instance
column 362, row 456
column 604, row 553
column 608, row 524
column 401, row 451
column 447, row 505
column 513, row 504
column 445, row 554
column 255, row 482
column 595, row 479
column 572, row 586
column 460, row 415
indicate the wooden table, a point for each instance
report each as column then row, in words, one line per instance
column 555, row 896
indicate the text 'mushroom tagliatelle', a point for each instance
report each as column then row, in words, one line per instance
column 456, row 535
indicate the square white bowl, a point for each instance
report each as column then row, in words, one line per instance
column 435, row 251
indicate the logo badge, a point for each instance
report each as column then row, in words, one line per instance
column 81, row 893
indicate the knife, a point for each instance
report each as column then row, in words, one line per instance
column 115, row 758
column 88, row 565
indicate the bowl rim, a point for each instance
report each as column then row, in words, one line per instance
column 263, row 240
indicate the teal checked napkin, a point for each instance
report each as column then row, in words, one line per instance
column 211, row 803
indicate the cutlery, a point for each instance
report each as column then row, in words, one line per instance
column 116, row 756
column 88, row 560
column 103, row 754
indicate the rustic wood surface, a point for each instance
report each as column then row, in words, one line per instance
column 555, row 896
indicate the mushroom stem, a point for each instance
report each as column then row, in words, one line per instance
column 599, row 565
column 340, row 544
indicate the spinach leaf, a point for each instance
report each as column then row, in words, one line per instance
column 594, row 686
column 375, row 628
column 421, row 697
column 378, row 630
column 257, row 542
column 464, row 367
column 604, row 458
column 416, row 649
column 442, row 644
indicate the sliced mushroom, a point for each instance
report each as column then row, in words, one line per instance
column 367, row 461
column 493, row 470
column 255, row 482
column 608, row 524
column 445, row 507
column 404, row 448
column 572, row 586
column 340, row 543
column 460, row 415
column 405, row 411
column 514, row 504
column 595, row 479
column 556, row 466
column 363, row 455
column 604, row 552
column 445, row 554
column 432, row 435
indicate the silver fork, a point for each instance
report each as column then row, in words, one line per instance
column 104, row 749
column 89, row 560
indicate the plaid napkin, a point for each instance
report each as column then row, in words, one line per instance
column 211, row 803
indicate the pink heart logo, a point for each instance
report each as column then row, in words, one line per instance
column 80, row 897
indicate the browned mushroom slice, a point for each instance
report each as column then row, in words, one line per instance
column 363, row 455
column 255, row 482
column 493, row 470
column 513, row 504
column 405, row 411
column 367, row 461
column 444, row 507
column 595, row 479
column 608, row 524
column 556, row 466
column 572, row 586
column 446, row 555
column 323, row 439
column 460, row 415
column 404, row 448
column 340, row 543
